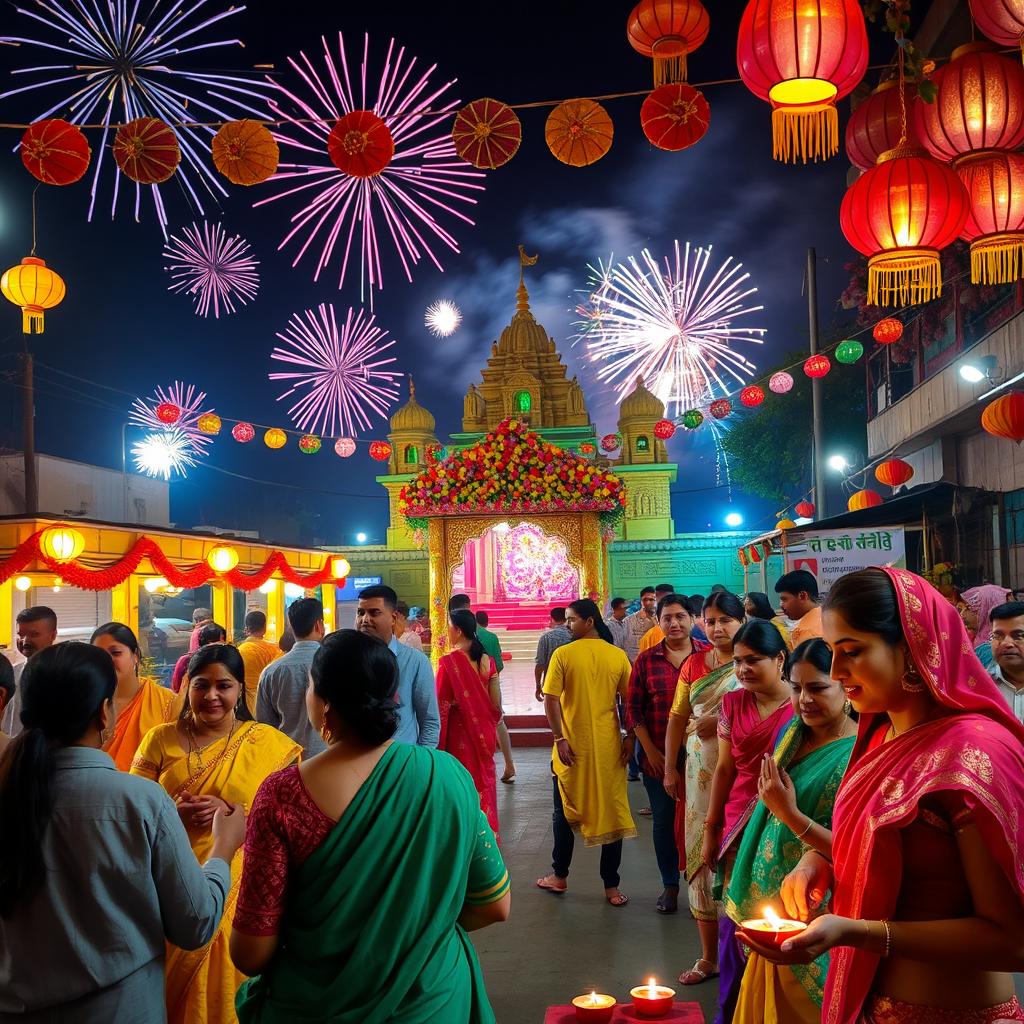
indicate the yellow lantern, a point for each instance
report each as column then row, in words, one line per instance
column 340, row 568
column 61, row 544
column 34, row 287
column 23, row 583
column 269, row 587
column 222, row 559
column 275, row 437
column 785, row 524
column 209, row 423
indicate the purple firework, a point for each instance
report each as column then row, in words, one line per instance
column 189, row 399
column 337, row 374
column 425, row 179
column 215, row 269
column 114, row 62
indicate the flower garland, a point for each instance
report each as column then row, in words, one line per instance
column 512, row 470
column 75, row 574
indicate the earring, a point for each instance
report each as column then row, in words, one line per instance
column 912, row 682
column 326, row 734
column 847, row 707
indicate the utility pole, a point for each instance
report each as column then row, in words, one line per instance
column 28, row 432
column 817, row 451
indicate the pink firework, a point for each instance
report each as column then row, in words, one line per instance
column 424, row 184
column 216, row 269
column 338, row 378
column 189, row 399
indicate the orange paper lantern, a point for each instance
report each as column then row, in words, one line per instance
column 887, row 331
column 893, row 472
column 360, row 144
column 674, row 117
column 579, row 132
column 487, row 133
column 863, row 499
column 1004, row 417
column 55, row 152
column 146, row 150
column 666, row 31
column 245, row 152
column 801, row 58
column 275, row 438
column 995, row 224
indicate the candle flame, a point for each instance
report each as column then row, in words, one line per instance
column 593, row 998
column 772, row 918
column 652, row 984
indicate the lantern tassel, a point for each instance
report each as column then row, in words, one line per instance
column 997, row 259
column 669, row 70
column 907, row 277
column 807, row 133
column 31, row 320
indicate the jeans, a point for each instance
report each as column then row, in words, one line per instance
column 633, row 769
column 663, row 811
column 561, row 855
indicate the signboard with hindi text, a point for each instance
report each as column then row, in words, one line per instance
column 829, row 554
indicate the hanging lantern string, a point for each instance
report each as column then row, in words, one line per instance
column 902, row 82
column 533, row 105
column 34, row 191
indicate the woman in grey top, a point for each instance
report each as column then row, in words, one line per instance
column 96, row 871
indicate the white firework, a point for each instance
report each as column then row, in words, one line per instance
column 670, row 324
column 164, row 454
column 442, row 318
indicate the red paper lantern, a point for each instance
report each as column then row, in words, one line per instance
column 360, row 144
column 674, row 117
column 893, row 472
column 55, row 152
column 666, row 31
column 817, row 366
column 1005, row 417
column 243, row 433
column 720, row 408
column 751, row 396
column 487, row 133
column 611, row 442
column 802, row 58
column 380, row 450
column 900, row 214
column 168, row 412
column 862, row 500
column 1001, row 20
column 664, row 429
column 146, row 150
column 876, row 125
column 995, row 224
column 804, row 509
column 887, row 331
column 979, row 104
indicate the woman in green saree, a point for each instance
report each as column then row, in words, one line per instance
column 367, row 866
column 797, row 789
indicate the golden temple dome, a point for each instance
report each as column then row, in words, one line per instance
column 523, row 334
column 640, row 402
column 412, row 415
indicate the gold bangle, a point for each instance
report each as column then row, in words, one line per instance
column 888, row 938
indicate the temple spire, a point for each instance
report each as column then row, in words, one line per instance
column 412, row 389
column 522, row 295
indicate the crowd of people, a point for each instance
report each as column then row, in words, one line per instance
column 311, row 833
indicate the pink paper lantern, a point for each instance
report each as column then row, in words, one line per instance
column 780, row 383
column 345, row 447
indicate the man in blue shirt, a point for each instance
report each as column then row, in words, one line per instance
column 418, row 719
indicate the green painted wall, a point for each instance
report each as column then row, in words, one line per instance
column 406, row 572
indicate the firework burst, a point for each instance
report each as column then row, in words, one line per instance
column 215, row 269
column 424, row 184
column 339, row 378
column 442, row 318
column 185, row 397
column 119, row 60
column 670, row 323
column 166, row 453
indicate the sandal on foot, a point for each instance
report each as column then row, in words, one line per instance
column 509, row 777
column 543, row 883
column 695, row 975
column 668, row 902
column 646, row 812
column 618, row 899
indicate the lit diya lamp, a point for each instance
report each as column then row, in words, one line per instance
column 772, row 930
column 652, row 999
column 595, row 1008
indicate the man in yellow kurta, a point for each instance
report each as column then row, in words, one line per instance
column 580, row 688
column 257, row 653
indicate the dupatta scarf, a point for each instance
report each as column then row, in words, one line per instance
column 976, row 750
column 769, row 850
column 469, row 725
column 151, row 706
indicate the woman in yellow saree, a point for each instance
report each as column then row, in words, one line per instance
column 139, row 703
column 214, row 755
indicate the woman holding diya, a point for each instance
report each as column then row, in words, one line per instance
column 213, row 757
column 139, row 704
column 797, row 787
column 928, row 827
column 704, row 679
column 748, row 721
column 469, row 701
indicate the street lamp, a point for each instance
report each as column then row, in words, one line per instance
column 838, row 463
column 974, row 371
column 360, row 537
column 734, row 519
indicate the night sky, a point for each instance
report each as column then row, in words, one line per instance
column 123, row 332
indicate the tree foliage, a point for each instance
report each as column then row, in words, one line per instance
column 769, row 447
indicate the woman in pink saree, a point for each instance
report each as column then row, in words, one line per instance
column 469, row 701
column 928, row 840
